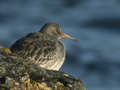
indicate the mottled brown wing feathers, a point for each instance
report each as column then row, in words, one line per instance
column 35, row 49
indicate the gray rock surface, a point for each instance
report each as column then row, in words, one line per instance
column 17, row 73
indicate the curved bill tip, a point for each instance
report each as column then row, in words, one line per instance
column 63, row 35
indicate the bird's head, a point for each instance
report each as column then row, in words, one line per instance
column 54, row 30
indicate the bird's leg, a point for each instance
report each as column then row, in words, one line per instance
column 5, row 50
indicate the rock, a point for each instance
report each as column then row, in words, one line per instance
column 17, row 73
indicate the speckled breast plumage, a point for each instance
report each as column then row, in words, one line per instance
column 46, row 52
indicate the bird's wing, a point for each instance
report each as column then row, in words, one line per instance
column 35, row 49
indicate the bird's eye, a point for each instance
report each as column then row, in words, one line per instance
column 59, row 31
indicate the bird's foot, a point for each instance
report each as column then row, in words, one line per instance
column 5, row 50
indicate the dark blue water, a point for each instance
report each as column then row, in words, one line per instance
column 95, row 59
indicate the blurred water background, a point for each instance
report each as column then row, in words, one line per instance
column 95, row 59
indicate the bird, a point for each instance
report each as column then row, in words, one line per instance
column 44, row 48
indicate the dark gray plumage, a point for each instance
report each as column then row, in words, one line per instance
column 43, row 48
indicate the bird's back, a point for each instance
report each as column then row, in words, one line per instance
column 38, row 48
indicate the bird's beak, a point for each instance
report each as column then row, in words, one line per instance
column 63, row 35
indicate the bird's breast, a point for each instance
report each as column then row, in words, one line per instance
column 60, row 49
column 57, row 59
